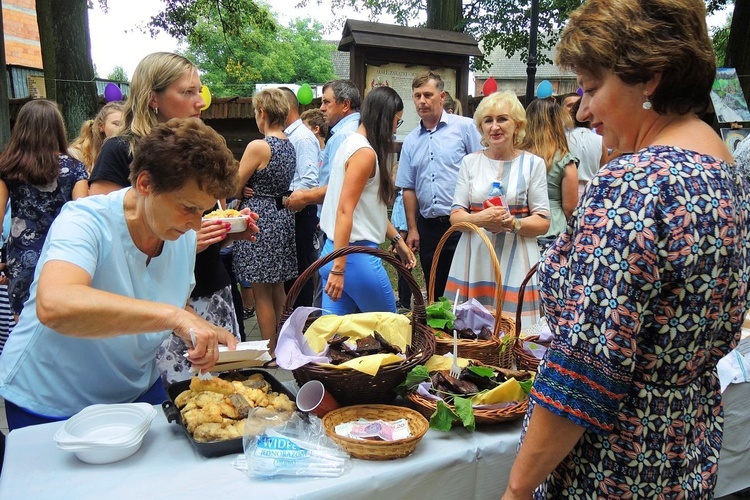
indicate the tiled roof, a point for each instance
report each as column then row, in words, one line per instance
column 391, row 36
column 340, row 61
column 504, row 67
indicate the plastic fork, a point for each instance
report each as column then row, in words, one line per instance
column 455, row 370
column 201, row 375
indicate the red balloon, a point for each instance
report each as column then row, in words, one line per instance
column 489, row 86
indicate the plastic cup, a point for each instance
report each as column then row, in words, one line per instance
column 313, row 398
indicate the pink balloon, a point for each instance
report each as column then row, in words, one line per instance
column 489, row 86
column 112, row 92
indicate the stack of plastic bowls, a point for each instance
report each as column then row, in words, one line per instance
column 102, row 434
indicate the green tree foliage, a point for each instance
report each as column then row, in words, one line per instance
column 232, row 65
column 180, row 18
column 495, row 23
column 238, row 43
column 118, row 74
column 720, row 38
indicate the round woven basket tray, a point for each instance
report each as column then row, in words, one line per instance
column 376, row 450
column 492, row 351
column 482, row 416
column 350, row 387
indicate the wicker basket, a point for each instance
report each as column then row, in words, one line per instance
column 482, row 416
column 524, row 360
column 376, row 450
column 490, row 352
column 350, row 387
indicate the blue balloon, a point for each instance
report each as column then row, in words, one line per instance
column 544, row 89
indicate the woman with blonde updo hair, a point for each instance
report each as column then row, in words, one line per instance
column 501, row 121
column 85, row 148
column 267, row 168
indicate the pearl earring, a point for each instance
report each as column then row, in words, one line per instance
column 156, row 111
column 646, row 104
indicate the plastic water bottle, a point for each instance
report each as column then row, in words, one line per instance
column 496, row 196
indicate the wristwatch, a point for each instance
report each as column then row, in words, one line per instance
column 394, row 240
column 516, row 225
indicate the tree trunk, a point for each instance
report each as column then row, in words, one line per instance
column 47, row 43
column 4, row 110
column 444, row 15
column 738, row 46
column 66, row 55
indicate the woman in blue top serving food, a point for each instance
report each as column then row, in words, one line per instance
column 113, row 281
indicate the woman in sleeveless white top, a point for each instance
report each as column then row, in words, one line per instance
column 355, row 211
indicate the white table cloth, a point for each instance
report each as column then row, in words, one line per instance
column 458, row 464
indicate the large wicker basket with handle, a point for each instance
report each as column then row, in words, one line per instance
column 493, row 352
column 525, row 360
column 351, row 387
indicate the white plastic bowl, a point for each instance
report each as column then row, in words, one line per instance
column 239, row 224
column 107, row 454
column 102, row 434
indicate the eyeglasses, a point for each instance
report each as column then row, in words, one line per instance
column 399, row 122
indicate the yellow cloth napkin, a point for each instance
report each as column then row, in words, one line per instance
column 440, row 362
column 508, row 391
column 367, row 364
column 395, row 328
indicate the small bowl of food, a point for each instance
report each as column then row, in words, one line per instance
column 234, row 217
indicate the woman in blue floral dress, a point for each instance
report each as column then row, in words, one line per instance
column 647, row 288
column 39, row 178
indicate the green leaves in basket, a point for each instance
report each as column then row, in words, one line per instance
column 440, row 315
column 526, row 385
column 416, row 376
column 466, row 412
column 482, row 371
column 444, row 416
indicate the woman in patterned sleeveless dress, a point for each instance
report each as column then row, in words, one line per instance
column 267, row 168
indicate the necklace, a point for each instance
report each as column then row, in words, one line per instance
column 513, row 155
